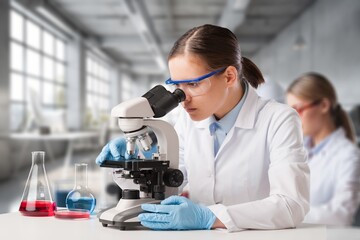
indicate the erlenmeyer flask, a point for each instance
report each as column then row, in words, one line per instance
column 81, row 198
column 36, row 199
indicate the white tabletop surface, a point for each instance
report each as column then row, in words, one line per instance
column 16, row 226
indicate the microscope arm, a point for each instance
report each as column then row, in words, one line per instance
column 134, row 108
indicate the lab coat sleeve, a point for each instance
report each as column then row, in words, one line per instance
column 288, row 173
column 342, row 207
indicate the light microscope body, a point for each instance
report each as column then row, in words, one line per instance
column 136, row 113
column 135, row 117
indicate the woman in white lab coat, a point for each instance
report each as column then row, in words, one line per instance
column 242, row 157
column 257, row 176
column 334, row 159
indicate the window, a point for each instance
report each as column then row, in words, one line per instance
column 37, row 63
column 98, row 91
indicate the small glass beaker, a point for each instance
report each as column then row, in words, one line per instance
column 81, row 197
column 36, row 199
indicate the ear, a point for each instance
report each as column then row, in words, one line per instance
column 325, row 105
column 231, row 76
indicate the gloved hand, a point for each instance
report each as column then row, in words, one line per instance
column 177, row 213
column 116, row 150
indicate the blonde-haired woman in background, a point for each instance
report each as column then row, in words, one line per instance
column 334, row 159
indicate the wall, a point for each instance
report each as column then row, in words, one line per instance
column 16, row 154
column 76, row 90
column 5, row 165
column 331, row 30
column 143, row 84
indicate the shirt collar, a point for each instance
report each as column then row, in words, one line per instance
column 313, row 150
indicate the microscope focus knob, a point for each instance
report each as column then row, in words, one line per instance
column 173, row 177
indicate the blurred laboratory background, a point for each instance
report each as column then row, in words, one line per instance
column 65, row 63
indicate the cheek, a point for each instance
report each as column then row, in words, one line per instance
column 310, row 123
column 209, row 103
column 216, row 98
column 305, row 125
column 205, row 106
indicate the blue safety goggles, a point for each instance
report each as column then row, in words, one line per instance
column 194, row 80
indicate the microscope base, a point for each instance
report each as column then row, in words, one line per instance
column 124, row 215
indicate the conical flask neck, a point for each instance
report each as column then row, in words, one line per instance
column 38, row 158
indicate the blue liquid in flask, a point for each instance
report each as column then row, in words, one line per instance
column 85, row 203
column 81, row 198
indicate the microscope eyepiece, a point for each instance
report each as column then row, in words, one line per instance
column 162, row 101
column 179, row 94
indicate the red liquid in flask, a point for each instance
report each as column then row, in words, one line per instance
column 37, row 208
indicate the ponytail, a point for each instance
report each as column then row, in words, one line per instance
column 342, row 120
column 251, row 72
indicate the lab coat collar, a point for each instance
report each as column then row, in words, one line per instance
column 246, row 117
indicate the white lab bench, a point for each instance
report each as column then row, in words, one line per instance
column 16, row 226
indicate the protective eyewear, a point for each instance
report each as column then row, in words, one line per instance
column 194, row 87
column 301, row 109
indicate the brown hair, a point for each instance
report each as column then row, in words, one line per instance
column 314, row 86
column 219, row 48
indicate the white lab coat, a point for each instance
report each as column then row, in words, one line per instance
column 334, row 182
column 259, row 178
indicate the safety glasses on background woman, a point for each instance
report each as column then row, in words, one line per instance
column 194, row 87
column 301, row 109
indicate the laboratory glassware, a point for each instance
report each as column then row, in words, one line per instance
column 81, row 197
column 36, row 199
column 72, row 214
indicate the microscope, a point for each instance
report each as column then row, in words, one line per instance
column 144, row 180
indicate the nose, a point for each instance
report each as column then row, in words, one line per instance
column 187, row 100
column 188, row 97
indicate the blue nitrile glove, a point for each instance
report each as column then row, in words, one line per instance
column 178, row 213
column 116, row 150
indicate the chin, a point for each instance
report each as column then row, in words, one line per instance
column 196, row 117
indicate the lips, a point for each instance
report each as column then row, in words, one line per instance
column 190, row 110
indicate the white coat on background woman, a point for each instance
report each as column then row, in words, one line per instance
column 334, row 159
